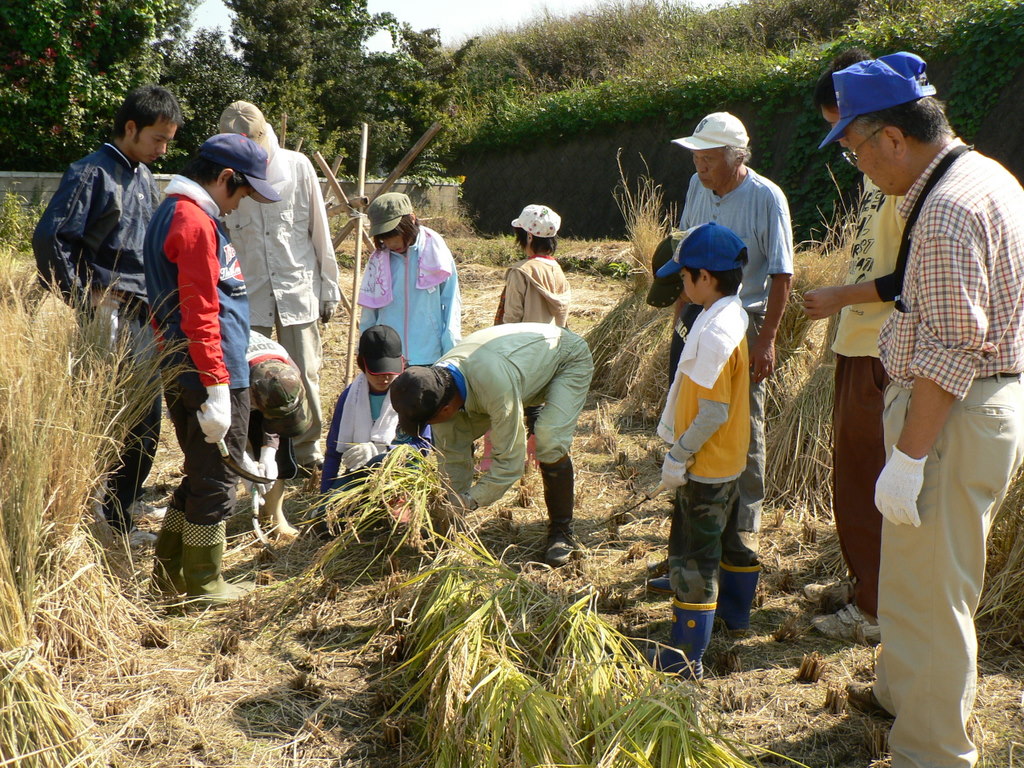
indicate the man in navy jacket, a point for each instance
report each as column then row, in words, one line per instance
column 88, row 246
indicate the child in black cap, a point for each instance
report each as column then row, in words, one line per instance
column 364, row 424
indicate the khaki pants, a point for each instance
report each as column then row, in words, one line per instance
column 931, row 577
column 302, row 342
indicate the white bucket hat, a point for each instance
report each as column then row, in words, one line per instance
column 719, row 129
column 538, row 220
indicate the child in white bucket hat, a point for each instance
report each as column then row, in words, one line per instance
column 536, row 290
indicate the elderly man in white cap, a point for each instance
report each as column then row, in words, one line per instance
column 725, row 190
column 288, row 262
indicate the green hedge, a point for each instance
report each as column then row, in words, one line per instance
column 983, row 38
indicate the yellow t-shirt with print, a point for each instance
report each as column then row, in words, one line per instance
column 875, row 247
column 725, row 452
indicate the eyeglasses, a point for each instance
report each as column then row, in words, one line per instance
column 850, row 155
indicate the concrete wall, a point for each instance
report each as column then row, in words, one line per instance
column 38, row 188
column 577, row 176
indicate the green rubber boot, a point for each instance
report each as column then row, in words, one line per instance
column 202, row 553
column 167, row 579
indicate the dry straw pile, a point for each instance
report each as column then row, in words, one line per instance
column 62, row 414
column 499, row 667
column 630, row 344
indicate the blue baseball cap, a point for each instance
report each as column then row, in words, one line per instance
column 242, row 154
column 709, row 246
column 875, row 84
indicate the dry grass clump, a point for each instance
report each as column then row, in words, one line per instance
column 508, row 672
column 647, row 224
column 799, row 397
column 66, row 401
column 1002, row 603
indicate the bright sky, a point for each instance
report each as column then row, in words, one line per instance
column 457, row 19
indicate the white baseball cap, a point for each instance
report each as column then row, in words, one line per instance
column 538, row 220
column 719, row 129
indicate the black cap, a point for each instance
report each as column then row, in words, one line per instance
column 417, row 395
column 381, row 350
column 664, row 290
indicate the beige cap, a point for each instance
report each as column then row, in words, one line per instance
column 246, row 119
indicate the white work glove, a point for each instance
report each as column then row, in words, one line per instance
column 897, row 488
column 462, row 502
column 250, row 465
column 673, row 472
column 327, row 309
column 268, row 462
column 359, row 454
column 215, row 414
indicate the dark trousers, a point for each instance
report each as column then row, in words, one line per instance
column 858, row 455
column 206, row 493
column 124, row 485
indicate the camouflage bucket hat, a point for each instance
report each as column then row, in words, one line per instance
column 278, row 393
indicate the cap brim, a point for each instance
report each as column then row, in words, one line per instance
column 383, row 365
column 692, row 142
column 669, row 268
column 663, row 293
column 262, row 192
column 291, row 425
column 385, row 226
column 837, row 131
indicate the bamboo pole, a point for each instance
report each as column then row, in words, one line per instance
column 339, row 193
column 358, row 266
column 395, row 175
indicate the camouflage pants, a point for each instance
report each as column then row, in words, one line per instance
column 704, row 532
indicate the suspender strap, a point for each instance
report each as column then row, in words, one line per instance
column 901, row 258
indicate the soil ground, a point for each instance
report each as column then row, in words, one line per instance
column 254, row 686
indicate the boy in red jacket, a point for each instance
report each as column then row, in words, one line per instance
column 201, row 314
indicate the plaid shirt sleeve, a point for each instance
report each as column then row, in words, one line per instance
column 950, row 301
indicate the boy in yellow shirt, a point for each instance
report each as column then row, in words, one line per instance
column 707, row 422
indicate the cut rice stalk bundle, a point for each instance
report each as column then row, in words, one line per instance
column 39, row 728
column 626, row 346
column 660, row 729
column 598, row 663
column 498, row 662
column 814, row 267
column 403, row 495
column 799, row 438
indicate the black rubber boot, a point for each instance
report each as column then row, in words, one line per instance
column 559, row 498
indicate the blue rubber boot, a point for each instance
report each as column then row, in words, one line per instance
column 736, row 588
column 691, row 633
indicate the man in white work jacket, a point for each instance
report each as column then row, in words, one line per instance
column 288, row 262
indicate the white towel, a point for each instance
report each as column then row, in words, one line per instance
column 355, row 425
column 716, row 333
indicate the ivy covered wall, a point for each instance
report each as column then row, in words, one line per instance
column 561, row 150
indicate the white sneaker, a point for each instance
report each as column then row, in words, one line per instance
column 848, row 623
column 140, row 538
column 140, row 510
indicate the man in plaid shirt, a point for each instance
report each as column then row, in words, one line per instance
column 954, row 412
